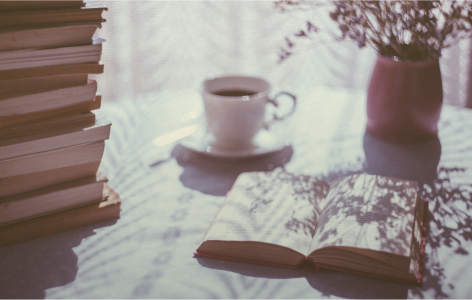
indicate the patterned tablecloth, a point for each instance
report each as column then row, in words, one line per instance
column 170, row 195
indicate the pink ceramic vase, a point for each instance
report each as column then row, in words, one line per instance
column 404, row 99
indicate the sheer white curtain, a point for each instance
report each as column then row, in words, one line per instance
column 156, row 45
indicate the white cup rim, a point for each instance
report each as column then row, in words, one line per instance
column 262, row 94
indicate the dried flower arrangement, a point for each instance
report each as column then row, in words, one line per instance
column 403, row 30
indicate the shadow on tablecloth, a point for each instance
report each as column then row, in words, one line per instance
column 44, row 263
column 215, row 176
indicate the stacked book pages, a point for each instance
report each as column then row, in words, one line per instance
column 51, row 136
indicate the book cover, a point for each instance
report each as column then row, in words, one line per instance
column 51, row 140
column 92, row 11
column 89, row 68
column 50, row 124
column 52, row 199
column 46, row 37
column 32, row 5
column 21, row 184
column 81, row 54
column 41, row 84
column 46, row 115
column 53, row 159
column 107, row 209
column 11, row 105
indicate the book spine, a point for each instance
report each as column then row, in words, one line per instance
column 243, row 260
column 58, row 222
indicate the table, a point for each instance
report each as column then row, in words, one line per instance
column 170, row 195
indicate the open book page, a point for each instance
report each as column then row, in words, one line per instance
column 271, row 207
column 369, row 212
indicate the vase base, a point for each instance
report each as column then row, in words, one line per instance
column 402, row 137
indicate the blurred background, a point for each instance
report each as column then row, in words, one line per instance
column 159, row 45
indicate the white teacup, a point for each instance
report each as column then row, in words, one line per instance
column 235, row 109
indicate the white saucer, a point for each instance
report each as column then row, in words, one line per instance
column 265, row 142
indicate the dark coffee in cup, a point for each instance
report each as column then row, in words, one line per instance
column 234, row 93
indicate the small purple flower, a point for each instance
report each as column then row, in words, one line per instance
column 289, row 43
column 361, row 40
column 311, row 27
column 407, row 29
column 300, row 34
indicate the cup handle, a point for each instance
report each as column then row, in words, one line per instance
column 275, row 103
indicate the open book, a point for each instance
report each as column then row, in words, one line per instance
column 363, row 224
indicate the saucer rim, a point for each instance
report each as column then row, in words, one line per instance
column 244, row 153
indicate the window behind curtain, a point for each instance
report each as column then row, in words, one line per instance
column 157, row 45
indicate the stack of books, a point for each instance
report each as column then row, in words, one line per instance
column 51, row 143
